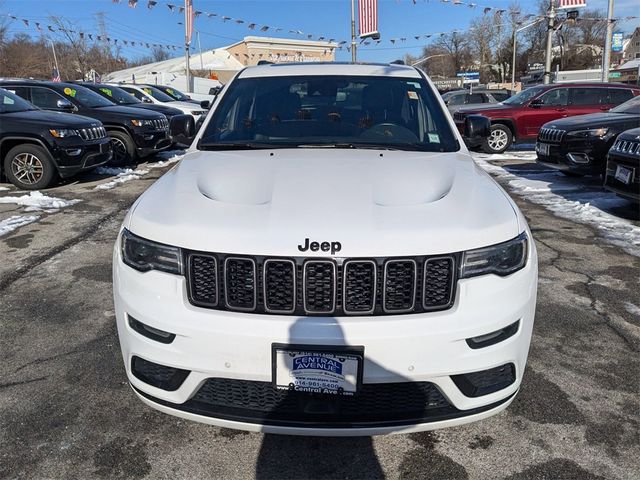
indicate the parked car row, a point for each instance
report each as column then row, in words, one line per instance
column 519, row 118
column 52, row 129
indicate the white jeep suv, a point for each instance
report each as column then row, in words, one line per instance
column 327, row 259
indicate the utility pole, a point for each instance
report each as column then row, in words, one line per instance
column 55, row 59
column 353, row 31
column 550, row 30
column 606, row 56
column 200, row 49
column 513, row 60
column 187, row 19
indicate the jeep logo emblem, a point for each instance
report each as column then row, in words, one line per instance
column 333, row 247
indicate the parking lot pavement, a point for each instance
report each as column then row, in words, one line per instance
column 67, row 412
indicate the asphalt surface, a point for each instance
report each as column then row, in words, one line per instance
column 66, row 410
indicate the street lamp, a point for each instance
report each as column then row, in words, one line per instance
column 515, row 38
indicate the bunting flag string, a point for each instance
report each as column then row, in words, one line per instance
column 115, row 41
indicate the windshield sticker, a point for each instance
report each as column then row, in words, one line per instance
column 415, row 85
column 147, row 90
column 107, row 91
column 70, row 91
column 434, row 138
column 412, row 95
column 170, row 91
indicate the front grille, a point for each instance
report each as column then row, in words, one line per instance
column 161, row 123
column 550, row 135
column 337, row 286
column 458, row 117
column 94, row 133
column 626, row 146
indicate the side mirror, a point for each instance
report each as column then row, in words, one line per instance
column 146, row 100
column 182, row 129
column 214, row 90
column 65, row 105
column 536, row 103
column 477, row 126
column 205, row 104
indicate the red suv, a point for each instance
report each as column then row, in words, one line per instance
column 519, row 118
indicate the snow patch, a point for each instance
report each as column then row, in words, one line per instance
column 632, row 309
column 124, row 175
column 574, row 204
column 111, row 170
column 509, row 155
column 36, row 201
column 4, row 189
column 8, row 225
column 169, row 157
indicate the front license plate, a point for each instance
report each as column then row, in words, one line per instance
column 542, row 148
column 313, row 369
column 624, row 174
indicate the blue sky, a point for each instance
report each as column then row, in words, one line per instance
column 328, row 18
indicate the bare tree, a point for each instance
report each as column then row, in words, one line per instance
column 457, row 45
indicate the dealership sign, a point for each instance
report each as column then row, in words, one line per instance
column 616, row 41
column 469, row 77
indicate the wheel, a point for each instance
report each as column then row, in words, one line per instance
column 571, row 174
column 500, row 139
column 30, row 167
column 124, row 150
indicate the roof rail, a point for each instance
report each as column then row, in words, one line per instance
column 398, row 62
column 264, row 62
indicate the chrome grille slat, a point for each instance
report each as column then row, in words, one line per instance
column 553, row 135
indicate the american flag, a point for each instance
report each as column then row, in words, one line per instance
column 571, row 3
column 55, row 76
column 188, row 19
column 368, row 18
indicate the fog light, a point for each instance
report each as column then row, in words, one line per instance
column 74, row 152
column 484, row 382
column 150, row 332
column 578, row 158
column 156, row 375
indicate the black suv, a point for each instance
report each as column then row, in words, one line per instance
column 579, row 145
column 181, row 126
column 623, row 166
column 37, row 146
column 134, row 133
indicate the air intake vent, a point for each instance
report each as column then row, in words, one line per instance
column 319, row 286
column 359, row 294
column 399, row 286
column 240, row 283
column 438, row 277
column 279, row 286
column 203, row 280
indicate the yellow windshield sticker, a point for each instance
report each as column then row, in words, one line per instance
column 107, row 91
column 170, row 91
column 70, row 91
column 147, row 90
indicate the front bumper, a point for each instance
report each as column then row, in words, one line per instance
column 584, row 156
column 408, row 351
column 150, row 142
column 76, row 158
column 631, row 190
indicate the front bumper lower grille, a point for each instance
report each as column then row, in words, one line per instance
column 382, row 404
column 303, row 286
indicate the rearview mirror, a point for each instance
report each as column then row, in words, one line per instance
column 477, row 126
column 65, row 105
column 205, row 104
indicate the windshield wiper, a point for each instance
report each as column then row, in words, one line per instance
column 239, row 146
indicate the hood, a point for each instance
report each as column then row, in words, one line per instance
column 485, row 107
column 185, row 106
column 155, row 107
column 51, row 119
column 594, row 120
column 375, row 203
column 130, row 112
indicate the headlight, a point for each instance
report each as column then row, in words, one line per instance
column 198, row 112
column 592, row 132
column 142, row 123
column 145, row 255
column 501, row 259
column 64, row 132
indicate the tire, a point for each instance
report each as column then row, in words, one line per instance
column 501, row 138
column 571, row 174
column 30, row 167
column 124, row 150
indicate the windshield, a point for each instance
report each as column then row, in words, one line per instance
column 10, row 103
column 172, row 92
column 86, row 97
column 157, row 94
column 630, row 106
column 524, row 96
column 330, row 111
column 117, row 95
